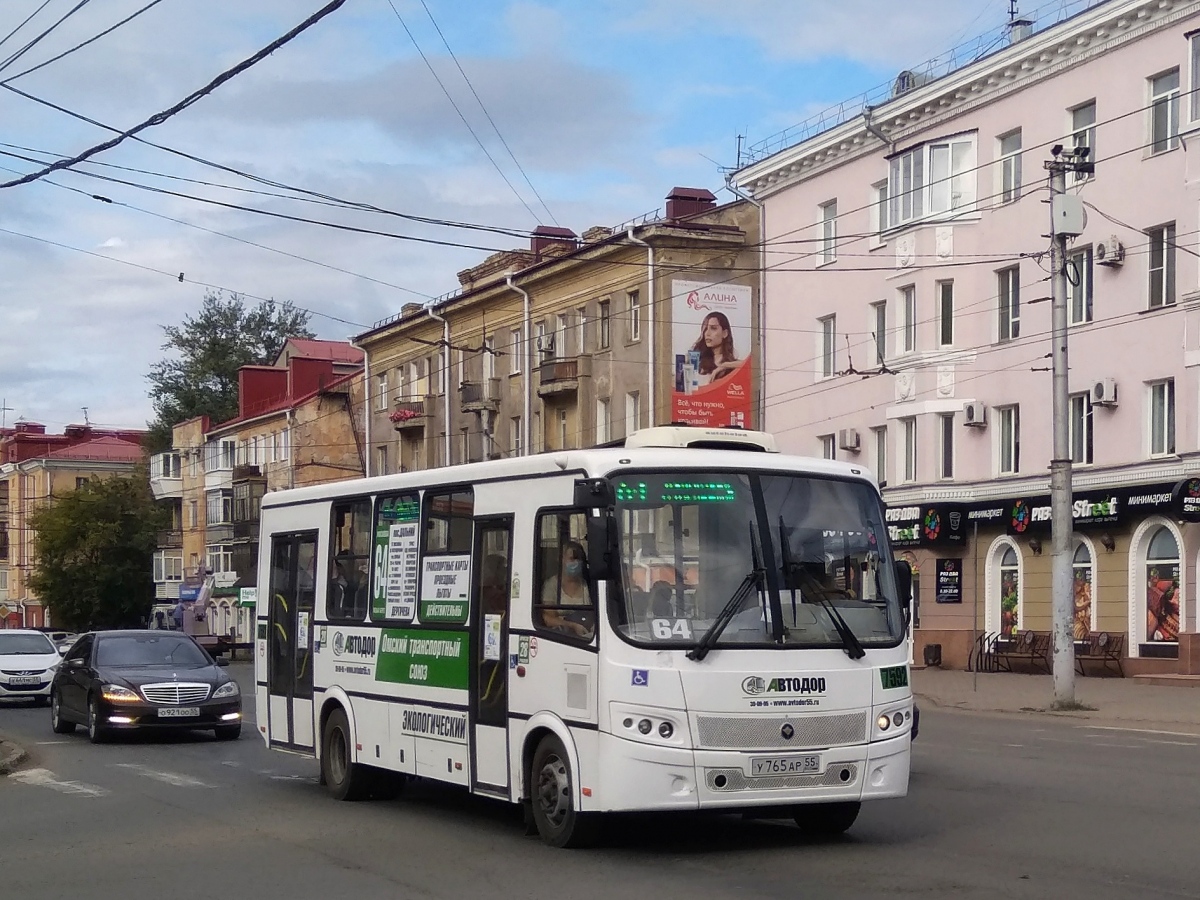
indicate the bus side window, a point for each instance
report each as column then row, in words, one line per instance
column 349, row 570
column 563, row 603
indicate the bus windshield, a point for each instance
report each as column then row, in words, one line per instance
column 809, row 550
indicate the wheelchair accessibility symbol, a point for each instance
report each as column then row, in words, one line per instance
column 641, row 677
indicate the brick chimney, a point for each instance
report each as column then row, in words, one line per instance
column 684, row 201
column 546, row 238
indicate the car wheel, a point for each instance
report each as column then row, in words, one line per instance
column 558, row 822
column 344, row 779
column 57, row 722
column 228, row 732
column 97, row 733
column 826, row 820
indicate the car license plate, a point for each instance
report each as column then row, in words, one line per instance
column 809, row 764
column 178, row 712
column 24, row 679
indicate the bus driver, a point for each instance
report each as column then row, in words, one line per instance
column 569, row 589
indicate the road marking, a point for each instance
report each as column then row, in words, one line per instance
column 1172, row 743
column 172, row 778
column 51, row 743
column 1186, row 734
column 46, row 778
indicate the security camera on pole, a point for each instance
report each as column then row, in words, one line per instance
column 1067, row 219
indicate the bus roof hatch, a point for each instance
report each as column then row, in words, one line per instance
column 703, row 438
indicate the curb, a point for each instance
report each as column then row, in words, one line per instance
column 1097, row 716
column 10, row 756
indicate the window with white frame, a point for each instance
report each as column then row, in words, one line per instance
column 1164, row 112
column 219, row 558
column 516, row 347
column 1009, row 157
column 460, row 366
column 908, row 306
column 1008, row 295
column 542, row 343
column 1194, row 79
column 418, row 375
column 603, row 421
column 828, row 346
column 946, row 445
column 910, row 448
column 1083, row 586
column 1162, row 417
column 879, row 208
column 945, row 295
column 403, row 383
column 933, row 179
column 562, row 326
column 1162, row 265
column 828, row 446
column 1079, row 286
column 1083, row 133
column 879, row 317
column 880, row 462
column 285, row 444
column 219, row 507
column 634, row 306
column 381, row 391
column 581, row 329
column 514, row 435
column 168, row 565
column 1080, row 427
column 1009, row 451
column 633, row 412
column 489, row 358
column 828, row 232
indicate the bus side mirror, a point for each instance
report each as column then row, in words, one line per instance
column 593, row 493
column 602, row 545
column 904, row 582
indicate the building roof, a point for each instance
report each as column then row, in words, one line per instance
column 337, row 351
column 101, row 449
column 279, row 405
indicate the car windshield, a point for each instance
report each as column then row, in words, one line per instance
column 149, row 650
column 796, row 544
column 25, row 645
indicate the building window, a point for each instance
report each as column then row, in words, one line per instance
column 1009, row 295
column 910, row 449
column 1194, row 81
column 168, row 566
column 489, row 358
column 950, row 184
column 193, row 514
column 1083, row 133
column 581, row 329
column 219, row 507
column 1162, row 587
column 285, row 444
column 634, row 306
column 908, row 303
column 828, row 446
column 381, row 460
column 880, row 435
column 514, row 435
column 605, row 324
column 564, row 440
column 518, row 351
column 1010, row 591
column 633, row 412
column 945, row 295
column 1010, row 166
column 381, row 392
column 460, row 366
column 1010, row 440
column 1162, row 417
column 544, row 343
column 828, row 346
column 1164, row 112
column 536, row 436
column 946, row 459
column 1162, row 265
column 828, row 232
column 879, row 313
column 1081, row 429
column 1079, row 286
column 1081, row 570
column 219, row 558
column 879, row 207
column 464, row 445
column 603, row 421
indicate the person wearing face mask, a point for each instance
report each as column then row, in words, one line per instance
column 566, row 590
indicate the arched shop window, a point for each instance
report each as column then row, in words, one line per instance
column 1162, row 587
column 1010, row 591
column 1081, row 568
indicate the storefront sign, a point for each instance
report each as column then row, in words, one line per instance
column 949, row 581
column 928, row 525
column 1089, row 509
column 1185, row 500
column 711, row 342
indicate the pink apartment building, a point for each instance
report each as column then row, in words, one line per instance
column 907, row 321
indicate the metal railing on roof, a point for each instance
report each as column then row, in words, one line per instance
column 1043, row 17
column 433, row 303
column 655, row 215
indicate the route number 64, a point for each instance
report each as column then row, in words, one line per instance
column 670, row 629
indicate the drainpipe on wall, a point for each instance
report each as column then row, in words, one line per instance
column 874, row 129
column 652, row 383
column 366, row 412
column 526, row 363
column 762, row 294
column 445, row 374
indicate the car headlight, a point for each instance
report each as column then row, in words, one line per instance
column 228, row 689
column 114, row 693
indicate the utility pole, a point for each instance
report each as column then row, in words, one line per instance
column 1066, row 220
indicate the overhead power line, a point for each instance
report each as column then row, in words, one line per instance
column 33, row 43
column 4, row 40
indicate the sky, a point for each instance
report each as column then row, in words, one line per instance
column 605, row 105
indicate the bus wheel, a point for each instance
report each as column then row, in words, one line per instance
column 826, row 820
column 554, row 813
column 344, row 779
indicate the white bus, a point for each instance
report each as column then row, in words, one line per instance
column 686, row 622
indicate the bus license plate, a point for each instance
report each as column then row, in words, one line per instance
column 178, row 712
column 809, row 764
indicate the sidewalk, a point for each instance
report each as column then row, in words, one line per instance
column 10, row 755
column 1116, row 700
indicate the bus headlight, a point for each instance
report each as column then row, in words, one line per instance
column 884, row 722
column 665, row 730
column 645, row 725
column 892, row 721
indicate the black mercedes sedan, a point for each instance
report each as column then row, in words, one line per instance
column 113, row 681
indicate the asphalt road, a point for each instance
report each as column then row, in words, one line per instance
column 1019, row 806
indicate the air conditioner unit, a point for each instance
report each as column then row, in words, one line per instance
column 1104, row 392
column 545, row 343
column 848, row 440
column 1110, row 252
column 974, row 414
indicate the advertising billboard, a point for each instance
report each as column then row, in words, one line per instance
column 711, row 351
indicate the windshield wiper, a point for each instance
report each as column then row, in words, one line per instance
column 850, row 641
column 754, row 579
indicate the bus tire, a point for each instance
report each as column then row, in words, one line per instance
column 826, row 820
column 344, row 779
column 552, row 787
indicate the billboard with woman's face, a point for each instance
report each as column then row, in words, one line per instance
column 711, row 335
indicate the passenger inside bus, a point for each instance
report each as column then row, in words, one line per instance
column 566, row 602
column 493, row 584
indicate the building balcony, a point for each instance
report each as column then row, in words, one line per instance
column 411, row 412
column 246, row 531
column 166, row 476
column 247, row 473
column 170, row 540
column 480, row 396
column 218, row 534
column 561, row 376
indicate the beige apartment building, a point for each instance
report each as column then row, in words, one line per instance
column 575, row 341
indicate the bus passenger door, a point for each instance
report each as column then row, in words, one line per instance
column 489, row 653
column 289, row 657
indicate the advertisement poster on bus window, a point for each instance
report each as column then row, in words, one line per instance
column 711, row 354
column 394, row 593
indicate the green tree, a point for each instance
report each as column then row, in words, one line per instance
column 94, row 551
column 200, row 377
